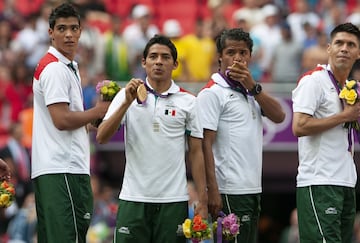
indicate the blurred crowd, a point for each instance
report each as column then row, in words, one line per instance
column 290, row 37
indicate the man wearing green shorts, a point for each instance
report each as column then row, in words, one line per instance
column 60, row 145
column 231, row 107
column 158, row 129
column 326, row 174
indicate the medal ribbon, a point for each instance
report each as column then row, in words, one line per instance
column 235, row 85
column 219, row 227
column 156, row 93
column 350, row 130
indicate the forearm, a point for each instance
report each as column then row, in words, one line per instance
column 198, row 168
column 110, row 126
column 306, row 125
column 270, row 107
column 72, row 120
column 210, row 169
column 198, row 174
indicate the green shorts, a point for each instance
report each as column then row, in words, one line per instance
column 247, row 208
column 150, row 222
column 64, row 205
column 326, row 212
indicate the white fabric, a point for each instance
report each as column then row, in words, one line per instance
column 239, row 131
column 55, row 151
column 155, row 145
column 324, row 158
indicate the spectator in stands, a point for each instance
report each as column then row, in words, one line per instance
column 326, row 172
column 299, row 17
column 136, row 35
column 269, row 33
column 154, row 198
column 117, row 66
column 201, row 52
column 291, row 233
column 251, row 9
column 15, row 152
column 11, row 103
column 91, row 47
column 28, row 44
column 6, row 55
column 173, row 30
column 22, row 227
column 286, row 63
column 316, row 54
column 241, row 21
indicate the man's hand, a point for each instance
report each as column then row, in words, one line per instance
column 4, row 171
column 202, row 210
column 215, row 203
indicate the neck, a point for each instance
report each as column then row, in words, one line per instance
column 160, row 86
column 340, row 75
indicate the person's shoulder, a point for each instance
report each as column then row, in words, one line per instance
column 209, row 85
column 44, row 61
column 211, row 89
column 318, row 70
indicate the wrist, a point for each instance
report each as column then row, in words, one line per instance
column 255, row 90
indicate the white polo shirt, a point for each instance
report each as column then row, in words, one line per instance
column 155, row 145
column 55, row 151
column 324, row 158
column 239, row 136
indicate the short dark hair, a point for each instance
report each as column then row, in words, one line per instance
column 162, row 40
column 348, row 28
column 236, row 34
column 64, row 10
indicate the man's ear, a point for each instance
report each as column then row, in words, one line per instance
column 143, row 62
column 176, row 64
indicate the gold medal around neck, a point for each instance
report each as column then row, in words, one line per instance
column 141, row 93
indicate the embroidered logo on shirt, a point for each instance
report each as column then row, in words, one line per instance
column 87, row 216
column 245, row 218
column 170, row 112
column 331, row 211
column 124, row 230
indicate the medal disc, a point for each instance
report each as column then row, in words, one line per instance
column 141, row 93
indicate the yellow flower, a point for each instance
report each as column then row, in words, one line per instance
column 104, row 90
column 4, row 199
column 350, row 84
column 111, row 92
column 343, row 93
column 349, row 93
column 187, row 228
column 351, row 97
column 111, row 84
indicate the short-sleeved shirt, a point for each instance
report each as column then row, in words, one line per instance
column 237, row 150
column 53, row 150
column 155, row 145
column 324, row 158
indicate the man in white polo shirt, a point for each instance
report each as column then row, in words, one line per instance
column 154, row 197
column 326, row 179
column 231, row 107
column 60, row 145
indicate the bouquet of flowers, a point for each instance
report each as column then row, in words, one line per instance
column 7, row 194
column 197, row 229
column 350, row 93
column 107, row 89
column 226, row 227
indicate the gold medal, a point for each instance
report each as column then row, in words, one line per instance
column 141, row 93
